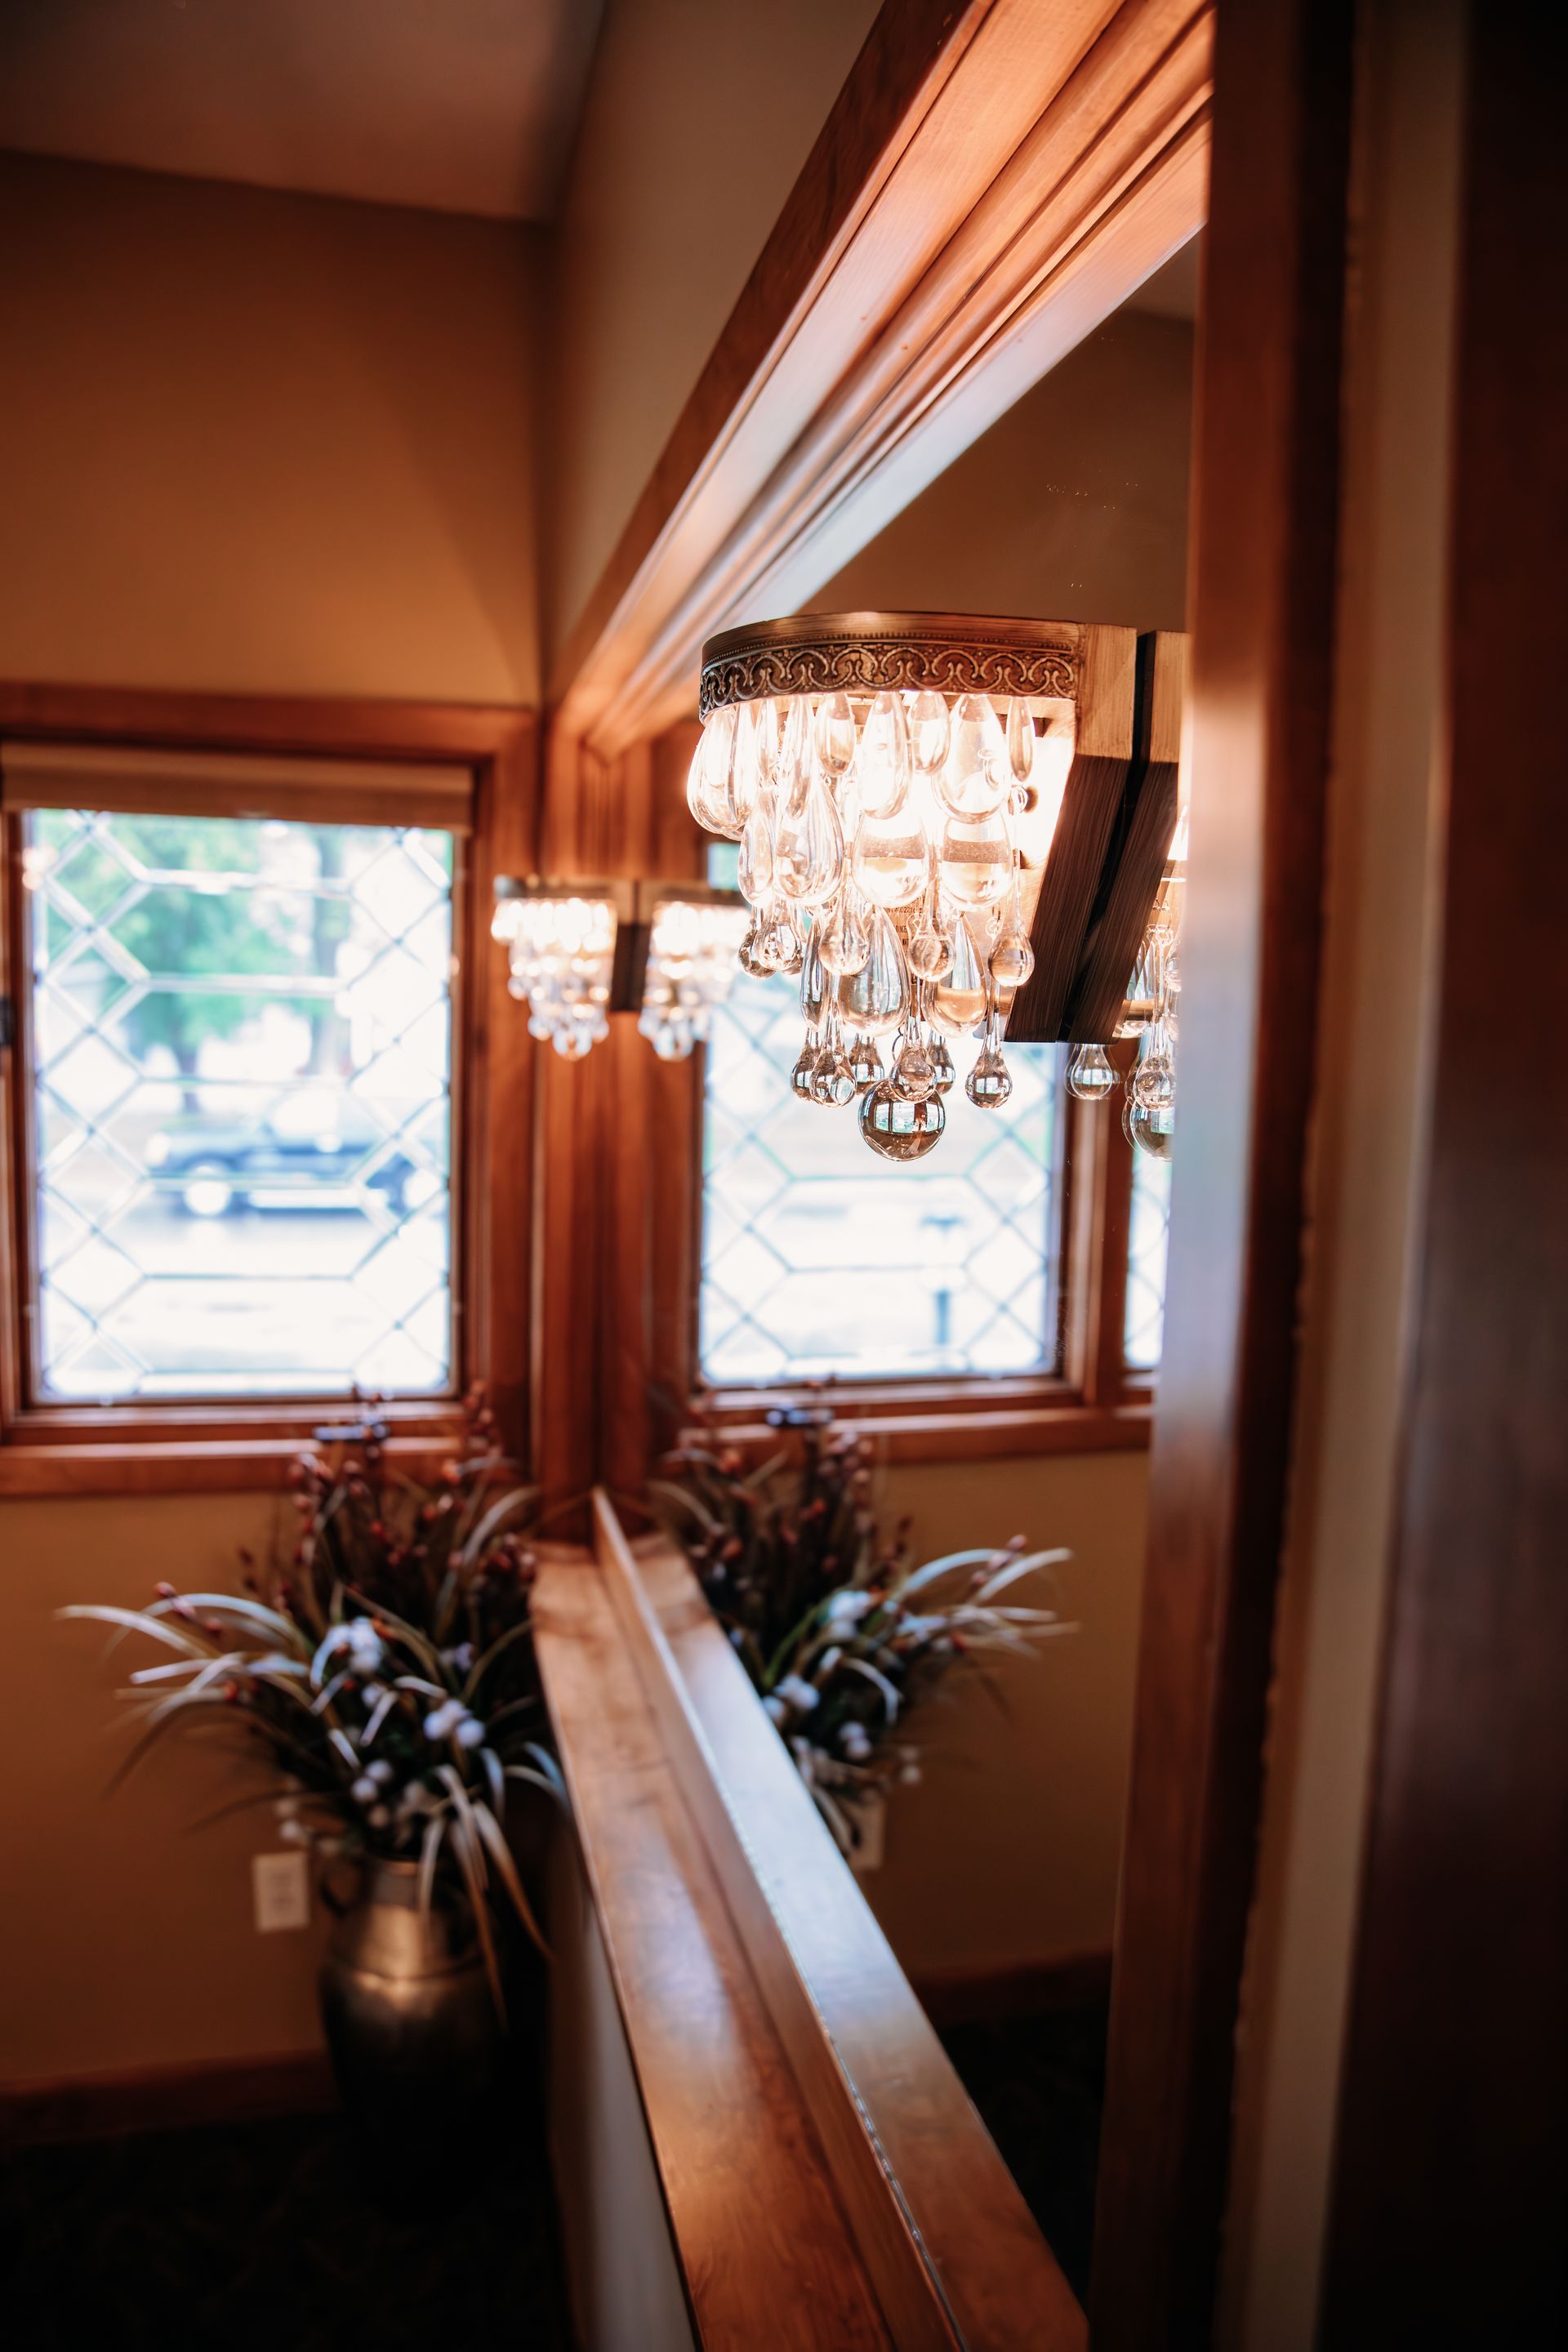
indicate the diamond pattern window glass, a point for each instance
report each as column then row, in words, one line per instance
column 240, row 1094
column 818, row 1259
column 1149, row 1233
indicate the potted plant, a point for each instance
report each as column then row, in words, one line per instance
column 385, row 1678
column 842, row 1634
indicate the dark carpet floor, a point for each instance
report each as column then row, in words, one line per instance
column 1039, row 2084
column 262, row 2235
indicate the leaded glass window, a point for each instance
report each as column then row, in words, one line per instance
column 819, row 1260
column 1148, row 1238
column 240, row 1105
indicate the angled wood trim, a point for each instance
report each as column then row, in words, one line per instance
column 1267, row 499
column 940, row 2225
column 937, row 256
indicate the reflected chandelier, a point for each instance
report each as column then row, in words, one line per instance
column 950, row 828
column 582, row 950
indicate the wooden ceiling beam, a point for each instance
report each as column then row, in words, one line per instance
column 991, row 182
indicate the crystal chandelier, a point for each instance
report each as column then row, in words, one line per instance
column 898, row 785
column 582, row 951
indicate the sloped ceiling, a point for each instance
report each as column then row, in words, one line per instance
column 457, row 106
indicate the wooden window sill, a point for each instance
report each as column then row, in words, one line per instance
column 189, row 1463
column 911, row 1422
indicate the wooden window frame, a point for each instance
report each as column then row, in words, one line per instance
column 1089, row 1405
column 48, row 1448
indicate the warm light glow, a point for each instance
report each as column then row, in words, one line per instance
column 690, row 964
column 885, row 840
column 563, row 955
column 891, row 846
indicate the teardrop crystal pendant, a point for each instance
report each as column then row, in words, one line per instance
column 756, row 950
column 866, row 1064
column 883, row 767
column 946, row 1069
column 765, row 734
column 913, row 1073
column 835, row 736
column 1020, row 739
column 832, row 1079
column 930, row 950
column 899, row 1130
column 1090, row 1076
column 988, row 1084
column 814, row 983
column 751, row 768
column 975, row 779
column 708, row 785
column 786, row 949
column 875, row 999
column 1150, row 1128
column 1154, row 1079
column 755, row 873
column 809, row 855
column 801, row 1076
column 792, row 767
column 1012, row 962
column 974, row 861
column 892, row 863
column 929, row 730
column 959, row 1002
column 846, row 941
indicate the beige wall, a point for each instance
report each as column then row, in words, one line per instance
column 259, row 443
column 1008, row 1849
column 699, row 115
column 129, row 1940
column 265, row 443
column 1073, row 506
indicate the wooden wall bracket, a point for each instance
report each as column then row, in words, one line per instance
column 1108, row 850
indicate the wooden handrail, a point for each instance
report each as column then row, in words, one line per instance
column 936, row 2229
column 763, row 2254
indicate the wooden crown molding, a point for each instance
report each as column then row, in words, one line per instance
column 989, row 186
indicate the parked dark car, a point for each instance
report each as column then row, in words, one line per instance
column 305, row 1154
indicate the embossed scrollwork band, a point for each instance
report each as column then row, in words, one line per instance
column 859, row 653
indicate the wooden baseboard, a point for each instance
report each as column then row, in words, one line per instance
column 969, row 1996
column 165, row 2098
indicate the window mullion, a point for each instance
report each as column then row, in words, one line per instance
column 1099, row 1193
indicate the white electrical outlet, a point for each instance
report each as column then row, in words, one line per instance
column 280, row 1889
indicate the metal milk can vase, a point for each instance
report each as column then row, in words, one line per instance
column 417, row 2046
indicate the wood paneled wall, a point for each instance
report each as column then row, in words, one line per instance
column 616, row 1165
